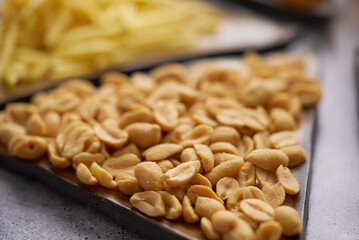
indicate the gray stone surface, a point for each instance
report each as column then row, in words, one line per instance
column 31, row 210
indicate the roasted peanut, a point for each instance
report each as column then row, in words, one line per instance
column 261, row 140
column 206, row 207
column 136, row 115
column 281, row 120
column 208, row 230
column 196, row 191
column 224, row 221
column 103, row 177
column 274, row 194
column 199, row 179
column 223, row 147
column 149, row 202
column 242, row 231
column 188, row 213
column 234, row 200
column 225, row 134
column 27, row 147
column 308, row 91
column 35, row 125
column 165, row 165
column 257, row 210
column 52, row 122
column 148, row 175
column 226, row 186
column 55, row 157
column 161, row 151
column 222, row 157
column 246, row 145
column 87, row 159
column 111, row 134
column 10, row 130
column 181, row 174
column 130, row 148
column 206, row 156
column 296, row 155
column 284, row 139
column 288, row 181
column 116, row 165
column 173, row 207
column 265, row 176
column 166, row 115
column 84, row 175
column 127, row 183
column 20, row 112
column 228, row 168
column 144, row 135
column 268, row 159
column 247, row 175
column 289, row 219
column 199, row 134
column 189, row 154
column 269, row 231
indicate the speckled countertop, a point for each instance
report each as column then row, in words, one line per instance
column 31, row 210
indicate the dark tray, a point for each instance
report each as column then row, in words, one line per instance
column 116, row 205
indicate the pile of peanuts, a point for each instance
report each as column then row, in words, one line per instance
column 209, row 144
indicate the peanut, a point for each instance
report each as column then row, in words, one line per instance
column 144, row 135
column 274, row 194
column 225, row 134
column 103, row 177
column 229, row 168
column 268, row 159
column 206, row 207
column 289, row 219
column 247, row 175
column 181, row 174
column 288, row 181
column 148, row 175
column 27, row 147
column 149, row 202
column 188, row 213
column 161, row 151
column 207, row 229
column 257, row 210
column 296, row 155
column 173, row 208
column 205, row 155
column 269, row 231
column 226, row 186
column 284, row 139
column 85, row 176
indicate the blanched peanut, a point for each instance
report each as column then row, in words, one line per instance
column 225, row 134
column 309, row 92
column 20, row 112
column 8, row 131
column 265, row 176
column 224, row 221
column 246, row 145
column 149, row 202
column 201, row 118
column 55, row 158
column 220, row 147
column 111, row 134
column 166, row 114
column 188, row 212
column 247, row 175
column 281, row 120
column 167, row 72
column 199, row 134
column 103, row 177
column 222, row 157
column 206, row 156
column 130, row 148
column 179, row 192
column 148, row 175
column 269, row 231
column 189, row 154
column 226, row 186
column 199, row 179
column 232, row 118
column 84, row 175
column 284, row 139
column 257, row 210
column 87, row 159
column 196, row 191
column 181, row 174
column 116, row 165
column 136, row 115
column 289, row 219
column 234, row 200
column 127, row 183
column 251, row 222
column 208, row 230
column 261, row 140
column 52, row 122
column 268, row 159
column 228, row 168
column 27, row 147
column 288, row 181
column 280, row 100
column 259, row 92
column 161, row 151
column 173, row 207
column 35, row 125
column 144, row 135
column 296, row 155
column 206, row 207
column 242, row 231
column 107, row 111
column 165, row 165
column 274, row 194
